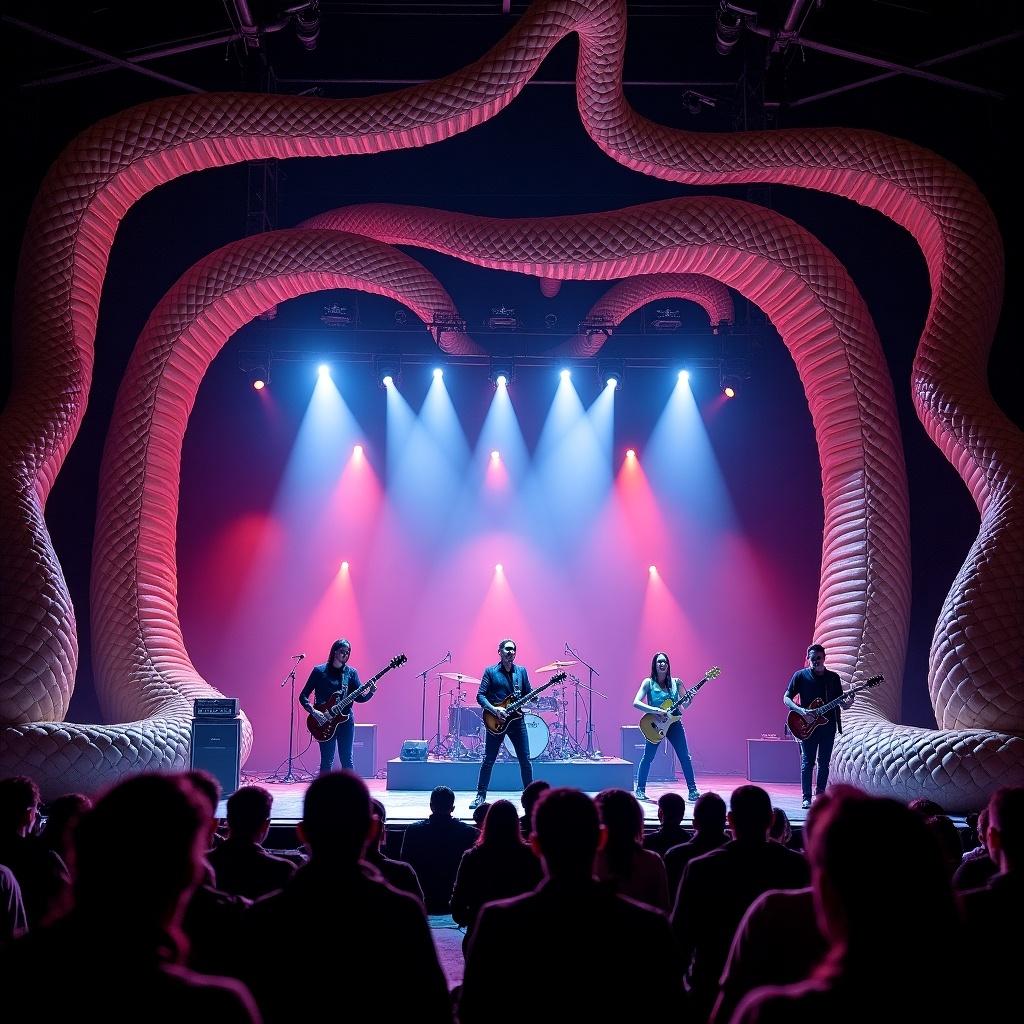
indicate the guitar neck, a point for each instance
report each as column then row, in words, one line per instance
column 689, row 694
column 832, row 704
column 536, row 692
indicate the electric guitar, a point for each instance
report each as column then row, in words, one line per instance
column 802, row 727
column 513, row 708
column 336, row 707
column 654, row 726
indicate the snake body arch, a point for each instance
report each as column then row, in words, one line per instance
column 974, row 676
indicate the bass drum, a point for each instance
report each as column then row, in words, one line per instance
column 536, row 737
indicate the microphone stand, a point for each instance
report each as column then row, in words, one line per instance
column 423, row 704
column 589, row 752
column 289, row 777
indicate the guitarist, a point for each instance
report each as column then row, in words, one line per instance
column 335, row 676
column 499, row 682
column 809, row 684
column 655, row 690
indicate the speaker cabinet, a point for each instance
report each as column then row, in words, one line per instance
column 773, row 761
column 364, row 750
column 217, row 749
column 663, row 768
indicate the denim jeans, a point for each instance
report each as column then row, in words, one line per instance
column 676, row 735
column 343, row 737
column 817, row 746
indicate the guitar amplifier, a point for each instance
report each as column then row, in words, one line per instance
column 771, row 760
column 217, row 748
column 215, row 707
column 663, row 767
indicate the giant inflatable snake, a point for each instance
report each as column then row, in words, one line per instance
column 144, row 677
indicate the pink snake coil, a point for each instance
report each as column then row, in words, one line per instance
column 144, row 677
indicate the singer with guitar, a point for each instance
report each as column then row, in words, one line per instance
column 659, row 690
column 501, row 684
column 810, row 684
column 335, row 676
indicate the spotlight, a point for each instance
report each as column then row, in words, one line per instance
column 684, row 376
column 258, row 378
column 344, row 566
column 306, row 19
column 610, row 373
column 495, row 456
column 731, row 384
column 631, row 454
column 499, row 568
column 551, row 321
column 357, row 451
column 653, row 570
column 323, row 370
column 695, row 101
column 565, row 374
column 438, row 373
column 388, row 371
column 401, row 318
column 501, row 372
column 728, row 26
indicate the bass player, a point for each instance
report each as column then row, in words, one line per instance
column 335, row 676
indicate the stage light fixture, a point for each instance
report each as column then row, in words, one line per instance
column 503, row 318
column 499, row 568
column 565, row 373
column 551, row 321
column 684, row 376
column 501, row 372
column 389, row 371
column 258, row 378
column 438, row 373
column 336, row 315
column 401, row 317
column 357, row 451
column 667, row 319
column 631, row 454
column 732, row 384
column 323, row 370
column 728, row 26
column 495, row 456
column 610, row 373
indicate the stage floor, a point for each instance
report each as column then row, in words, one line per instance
column 406, row 805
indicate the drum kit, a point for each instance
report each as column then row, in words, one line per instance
column 548, row 738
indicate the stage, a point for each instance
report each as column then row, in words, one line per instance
column 411, row 804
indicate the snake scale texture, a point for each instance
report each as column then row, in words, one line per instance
column 144, row 678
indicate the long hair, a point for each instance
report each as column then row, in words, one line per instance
column 341, row 642
column 654, row 668
column 501, row 827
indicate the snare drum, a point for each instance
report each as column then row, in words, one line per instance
column 549, row 702
column 536, row 737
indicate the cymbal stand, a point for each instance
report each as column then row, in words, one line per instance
column 569, row 745
column 590, row 751
column 456, row 751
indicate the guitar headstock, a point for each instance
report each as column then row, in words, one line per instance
column 556, row 679
column 398, row 659
column 874, row 681
column 713, row 673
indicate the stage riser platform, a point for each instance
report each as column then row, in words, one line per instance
column 590, row 776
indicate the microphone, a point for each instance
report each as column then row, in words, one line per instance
column 448, row 656
column 297, row 657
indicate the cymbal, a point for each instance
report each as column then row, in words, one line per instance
column 469, row 680
column 554, row 666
